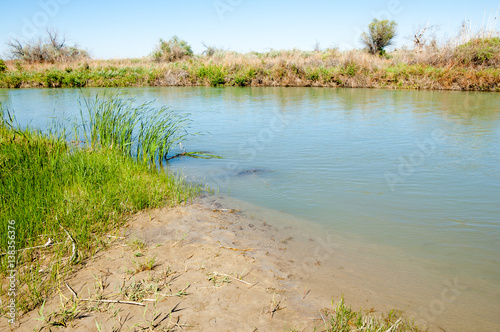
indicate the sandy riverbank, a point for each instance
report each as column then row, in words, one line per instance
column 217, row 275
column 212, row 269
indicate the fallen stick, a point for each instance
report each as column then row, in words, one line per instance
column 225, row 210
column 102, row 301
column 225, row 275
column 116, row 237
column 46, row 245
column 236, row 249
column 114, row 301
column 74, row 248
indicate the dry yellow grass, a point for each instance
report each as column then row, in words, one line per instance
column 430, row 68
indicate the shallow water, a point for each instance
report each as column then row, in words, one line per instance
column 412, row 177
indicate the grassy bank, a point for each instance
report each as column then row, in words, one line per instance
column 437, row 70
column 72, row 194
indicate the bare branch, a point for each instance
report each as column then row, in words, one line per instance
column 52, row 49
column 421, row 37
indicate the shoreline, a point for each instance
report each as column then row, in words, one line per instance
column 241, row 71
column 225, row 270
column 228, row 267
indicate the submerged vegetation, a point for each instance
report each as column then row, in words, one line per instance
column 62, row 197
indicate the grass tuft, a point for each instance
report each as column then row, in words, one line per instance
column 63, row 198
column 344, row 319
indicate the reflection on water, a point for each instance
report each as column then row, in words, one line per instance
column 418, row 171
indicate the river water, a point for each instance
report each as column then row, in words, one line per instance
column 413, row 177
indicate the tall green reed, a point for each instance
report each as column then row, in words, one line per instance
column 141, row 130
column 111, row 122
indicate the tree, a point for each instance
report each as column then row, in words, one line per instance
column 380, row 35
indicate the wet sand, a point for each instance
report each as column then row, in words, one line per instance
column 220, row 269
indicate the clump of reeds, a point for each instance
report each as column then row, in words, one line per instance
column 63, row 198
column 142, row 131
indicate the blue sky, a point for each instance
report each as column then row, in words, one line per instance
column 119, row 29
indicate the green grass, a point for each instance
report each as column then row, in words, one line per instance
column 344, row 319
column 49, row 187
column 472, row 66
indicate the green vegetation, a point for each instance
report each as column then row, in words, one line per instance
column 113, row 122
column 380, row 35
column 479, row 51
column 468, row 62
column 172, row 50
column 64, row 197
column 344, row 319
column 430, row 69
column 3, row 66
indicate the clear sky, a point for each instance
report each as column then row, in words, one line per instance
column 123, row 28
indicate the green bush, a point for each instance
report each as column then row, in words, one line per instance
column 13, row 80
column 172, row 50
column 75, row 80
column 216, row 75
column 54, row 78
column 479, row 51
column 3, row 66
column 350, row 69
column 380, row 34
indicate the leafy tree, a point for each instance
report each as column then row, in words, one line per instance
column 380, row 34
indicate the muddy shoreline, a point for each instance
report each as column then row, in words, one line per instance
column 210, row 266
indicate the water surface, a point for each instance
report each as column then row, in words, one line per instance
column 415, row 173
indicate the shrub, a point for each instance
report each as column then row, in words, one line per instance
column 51, row 49
column 54, row 78
column 479, row 51
column 380, row 35
column 13, row 80
column 172, row 50
column 215, row 74
column 210, row 51
column 3, row 66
